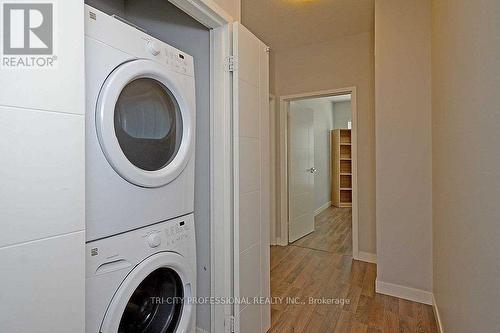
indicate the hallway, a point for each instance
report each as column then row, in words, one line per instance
column 320, row 266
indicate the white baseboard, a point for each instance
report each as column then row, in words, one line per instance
column 411, row 294
column 367, row 257
column 280, row 242
column 322, row 208
column 200, row 330
column 436, row 314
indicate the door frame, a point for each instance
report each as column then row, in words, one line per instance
column 208, row 13
column 273, row 117
column 284, row 106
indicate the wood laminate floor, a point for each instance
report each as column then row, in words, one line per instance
column 320, row 266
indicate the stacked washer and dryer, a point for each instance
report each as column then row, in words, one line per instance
column 140, row 137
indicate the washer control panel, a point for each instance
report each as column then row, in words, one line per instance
column 169, row 235
column 124, row 251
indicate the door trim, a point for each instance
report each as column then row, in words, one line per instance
column 208, row 13
column 284, row 104
column 273, row 117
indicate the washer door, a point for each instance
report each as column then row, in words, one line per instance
column 144, row 124
column 152, row 298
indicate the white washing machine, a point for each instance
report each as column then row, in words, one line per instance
column 143, row 281
column 140, row 128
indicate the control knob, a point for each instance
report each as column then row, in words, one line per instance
column 154, row 240
column 153, row 48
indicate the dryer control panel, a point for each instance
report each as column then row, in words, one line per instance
column 124, row 36
column 169, row 56
column 177, row 61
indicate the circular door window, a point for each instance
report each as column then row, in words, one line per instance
column 144, row 123
column 156, row 304
column 153, row 298
column 148, row 124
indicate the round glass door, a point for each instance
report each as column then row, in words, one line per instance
column 148, row 124
column 145, row 122
column 153, row 298
column 155, row 306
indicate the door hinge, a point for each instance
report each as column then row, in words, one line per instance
column 231, row 64
column 231, row 325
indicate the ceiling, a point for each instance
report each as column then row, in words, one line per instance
column 284, row 24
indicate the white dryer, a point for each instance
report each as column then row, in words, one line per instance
column 143, row 281
column 140, row 128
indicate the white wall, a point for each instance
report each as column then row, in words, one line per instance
column 342, row 114
column 232, row 7
column 466, row 163
column 403, row 141
column 42, row 196
column 344, row 62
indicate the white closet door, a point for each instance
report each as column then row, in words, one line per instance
column 252, row 186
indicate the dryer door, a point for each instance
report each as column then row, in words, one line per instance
column 144, row 123
column 153, row 298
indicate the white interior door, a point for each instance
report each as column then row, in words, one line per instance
column 252, row 185
column 300, row 171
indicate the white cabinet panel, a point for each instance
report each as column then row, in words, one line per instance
column 60, row 88
column 250, row 317
column 250, row 211
column 42, row 195
column 43, row 177
column 251, row 105
column 249, row 110
column 43, row 286
column 249, row 164
column 250, row 272
column 249, row 49
column 265, row 185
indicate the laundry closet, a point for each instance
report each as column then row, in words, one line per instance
column 84, row 225
column 168, row 24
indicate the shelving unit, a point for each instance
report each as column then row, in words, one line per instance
column 341, row 167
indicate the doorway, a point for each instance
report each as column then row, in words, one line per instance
column 320, row 172
column 317, row 205
column 309, row 184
